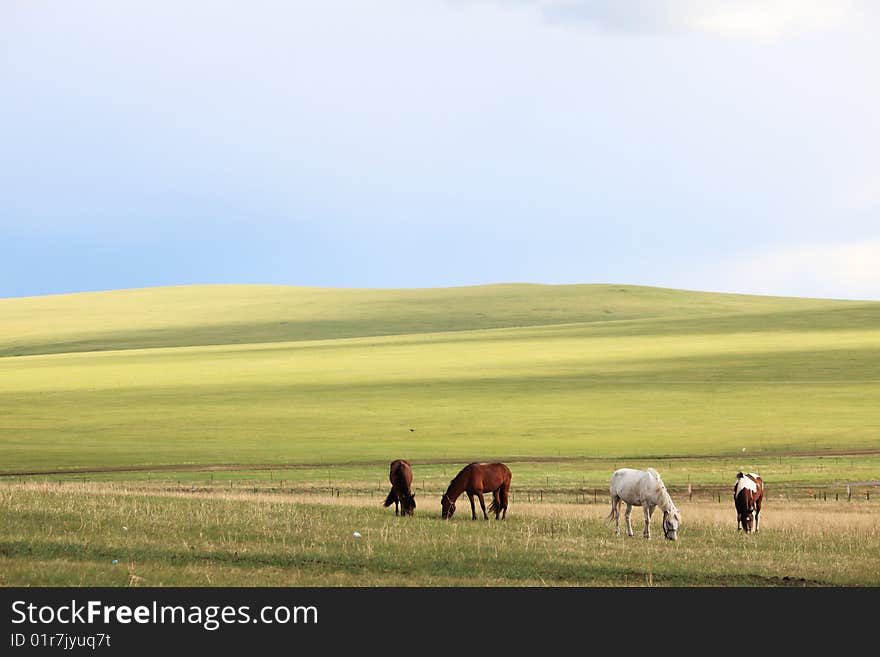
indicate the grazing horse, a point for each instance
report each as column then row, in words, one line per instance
column 642, row 488
column 476, row 479
column 401, row 488
column 748, row 494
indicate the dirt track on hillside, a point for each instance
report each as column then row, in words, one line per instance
column 225, row 467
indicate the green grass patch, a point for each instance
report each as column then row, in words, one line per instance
column 69, row 536
column 546, row 391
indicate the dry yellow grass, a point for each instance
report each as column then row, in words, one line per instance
column 68, row 535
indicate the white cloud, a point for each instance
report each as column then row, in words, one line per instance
column 756, row 19
column 843, row 270
column 768, row 20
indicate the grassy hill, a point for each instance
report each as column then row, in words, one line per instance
column 327, row 386
column 254, row 374
column 245, row 314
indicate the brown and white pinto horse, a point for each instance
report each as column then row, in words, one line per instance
column 748, row 494
column 476, row 479
column 401, row 488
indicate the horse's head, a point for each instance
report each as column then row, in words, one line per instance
column 409, row 503
column 670, row 524
column 746, row 518
column 448, row 507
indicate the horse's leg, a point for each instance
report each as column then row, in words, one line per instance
column 627, row 516
column 396, row 506
column 647, row 509
column 757, row 513
column 483, row 506
column 503, row 503
column 473, row 508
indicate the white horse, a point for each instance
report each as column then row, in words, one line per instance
column 643, row 488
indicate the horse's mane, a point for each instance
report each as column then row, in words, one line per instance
column 666, row 502
column 458, row 476
column 462, row 475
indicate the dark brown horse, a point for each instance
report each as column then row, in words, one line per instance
column 748, row 494
column 401, row 488
column 476, row 479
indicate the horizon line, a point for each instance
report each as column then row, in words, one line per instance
column 420, row 287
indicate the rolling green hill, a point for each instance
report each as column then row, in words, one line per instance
column 253, row 374
column 243, row 314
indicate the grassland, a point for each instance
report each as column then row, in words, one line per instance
column 283, row 392
column 801, row 376
column 249, row 314
column 69, row 535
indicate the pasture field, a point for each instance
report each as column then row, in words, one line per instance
column 192, row 402
column 566, row 480
column 238, row 314
column 668, row 382
column 69, row 535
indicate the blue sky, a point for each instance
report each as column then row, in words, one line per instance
column 697, row 144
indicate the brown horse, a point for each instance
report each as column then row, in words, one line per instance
column 748, row 495
column 401, row 488
column 476, row 479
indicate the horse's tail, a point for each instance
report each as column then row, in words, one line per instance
column 391, row 499
column 501, row 497
column 614, row 503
